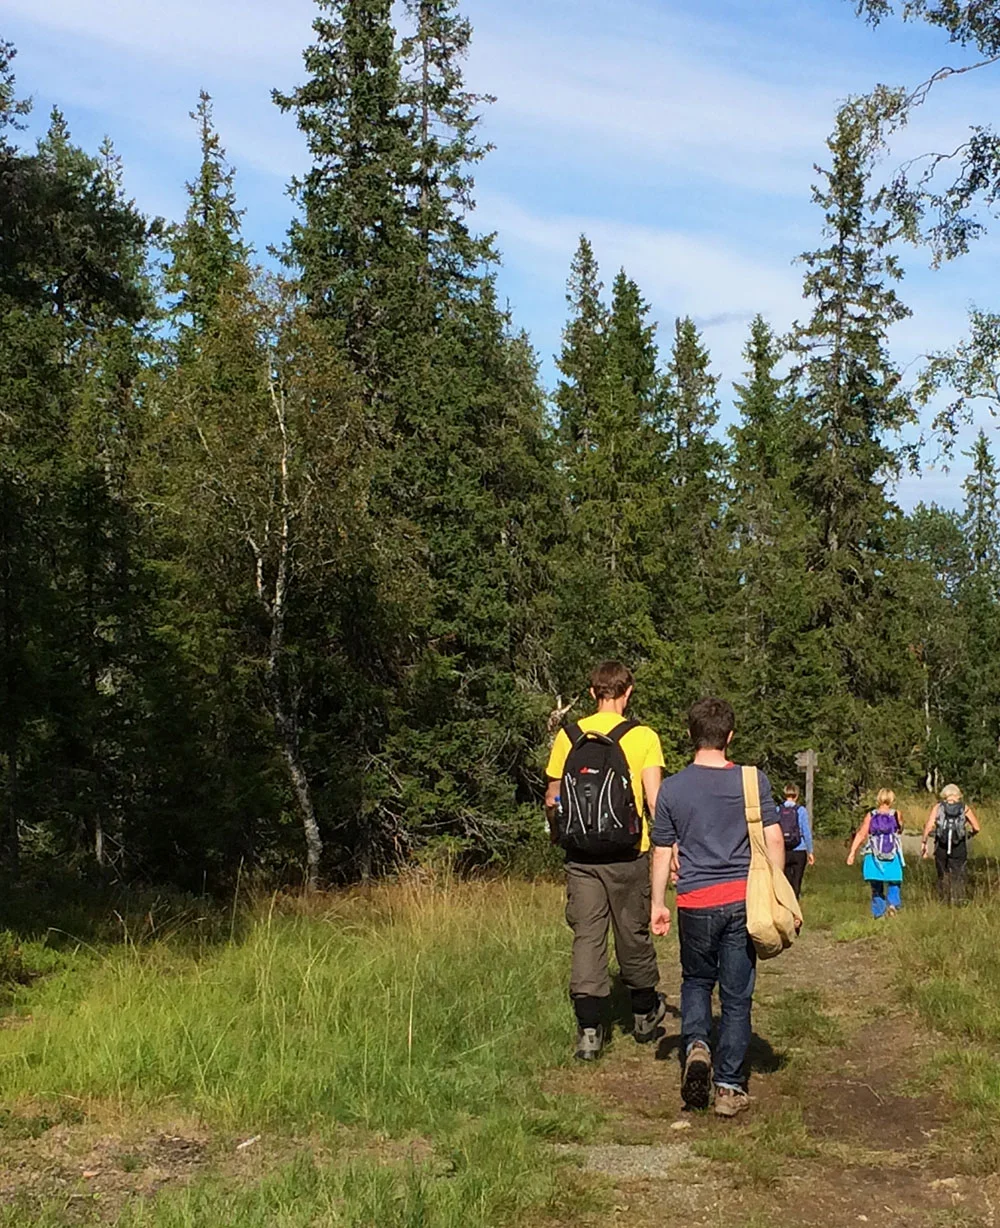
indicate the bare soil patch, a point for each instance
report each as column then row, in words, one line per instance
column 836, row 1136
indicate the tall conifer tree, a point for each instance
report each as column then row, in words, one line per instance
column 692, row 573
column 207, row 249
column 851, row 402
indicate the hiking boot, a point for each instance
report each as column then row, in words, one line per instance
column 589, row 1043
column 696, row 1086
column 646, row 1025
column 729, row 1102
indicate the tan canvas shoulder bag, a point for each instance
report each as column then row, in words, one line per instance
column 773, row 912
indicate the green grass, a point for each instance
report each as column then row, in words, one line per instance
column 762, row 1148
column 391, row 1047
column 947, row 964
column 393, row 1020
column 481, row 1189
column 416, row 1012
column 799, row 1017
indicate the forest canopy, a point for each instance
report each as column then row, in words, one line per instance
column 301, row 563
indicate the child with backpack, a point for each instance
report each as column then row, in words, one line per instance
column 604, row 776
column 797, row 833
column 880, row 833
column 950, row 821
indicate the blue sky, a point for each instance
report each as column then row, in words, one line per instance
column 680, row 135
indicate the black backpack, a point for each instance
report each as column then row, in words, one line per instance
column 949, row 829
column 597, row 812
column 788, row 820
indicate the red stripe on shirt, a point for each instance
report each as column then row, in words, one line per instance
column 714, row 896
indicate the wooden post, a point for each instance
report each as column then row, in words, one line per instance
column 807, row 759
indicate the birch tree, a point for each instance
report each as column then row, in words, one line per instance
column 267, row 486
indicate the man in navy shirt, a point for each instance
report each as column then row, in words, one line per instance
column 700, row 832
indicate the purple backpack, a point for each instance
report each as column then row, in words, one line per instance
column 788, row 818
column 883, row 835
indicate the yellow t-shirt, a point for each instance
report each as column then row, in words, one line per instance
column 641, row 747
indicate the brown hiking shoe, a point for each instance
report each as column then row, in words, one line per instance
column 696, row 1086
column 729, row 1102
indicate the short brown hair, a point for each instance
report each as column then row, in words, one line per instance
column 611, row 679
column 791, row 790
column 710, row 722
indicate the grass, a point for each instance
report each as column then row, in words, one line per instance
column 413, row 1012
column 762, row 1148
column 799, row 1017
column 390, row 1047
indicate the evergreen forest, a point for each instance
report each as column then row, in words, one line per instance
column 301, row 564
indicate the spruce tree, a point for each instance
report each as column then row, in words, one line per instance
column 582, row 361
column 388, row 260
column 73, row 300
column 354, row 245
column 765, row 623
column 12, row 109
column 610, row 564
column 929, row 567
column 849, row 391
column 444, row 119
column 693, row 572
column 851, row 402
column 978, row 597
column 207, row 249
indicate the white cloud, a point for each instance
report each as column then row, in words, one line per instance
column 232, row 38
column 680, row 137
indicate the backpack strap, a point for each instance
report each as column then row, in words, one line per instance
column 621, row 730
column 573, row 731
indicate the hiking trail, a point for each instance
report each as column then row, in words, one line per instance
column 843, row 1129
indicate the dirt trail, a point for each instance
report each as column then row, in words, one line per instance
column 842, row 1129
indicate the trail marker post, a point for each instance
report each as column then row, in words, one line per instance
column 806, row 760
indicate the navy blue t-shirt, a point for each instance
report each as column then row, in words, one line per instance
column 701, row 810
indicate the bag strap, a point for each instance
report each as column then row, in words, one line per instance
column 755, row 820
column 621, row 730
column 751, row 795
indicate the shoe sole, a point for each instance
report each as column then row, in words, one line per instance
column 696, row 1090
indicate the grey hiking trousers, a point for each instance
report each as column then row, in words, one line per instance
column 616, row 894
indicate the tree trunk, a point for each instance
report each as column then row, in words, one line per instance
column 10, row 844
column 286, row 726
column 274, row 601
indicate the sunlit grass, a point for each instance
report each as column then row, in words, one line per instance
column 426, row 1011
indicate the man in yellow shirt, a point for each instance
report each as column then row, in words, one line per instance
column 610, row 885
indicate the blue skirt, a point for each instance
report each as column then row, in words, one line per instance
column 877, row 871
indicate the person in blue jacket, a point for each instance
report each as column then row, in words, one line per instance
column 801, row 854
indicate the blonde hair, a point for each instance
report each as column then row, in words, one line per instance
column 886, row 797
column 951, row 793
column 791, row 791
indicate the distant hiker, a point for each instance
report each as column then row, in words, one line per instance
column 880, row 832
column 949, row 821
column 701, row 811
column 797, row 833
column 604, row 774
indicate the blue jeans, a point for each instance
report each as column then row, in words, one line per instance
column 885, row 896
column 716, row 949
